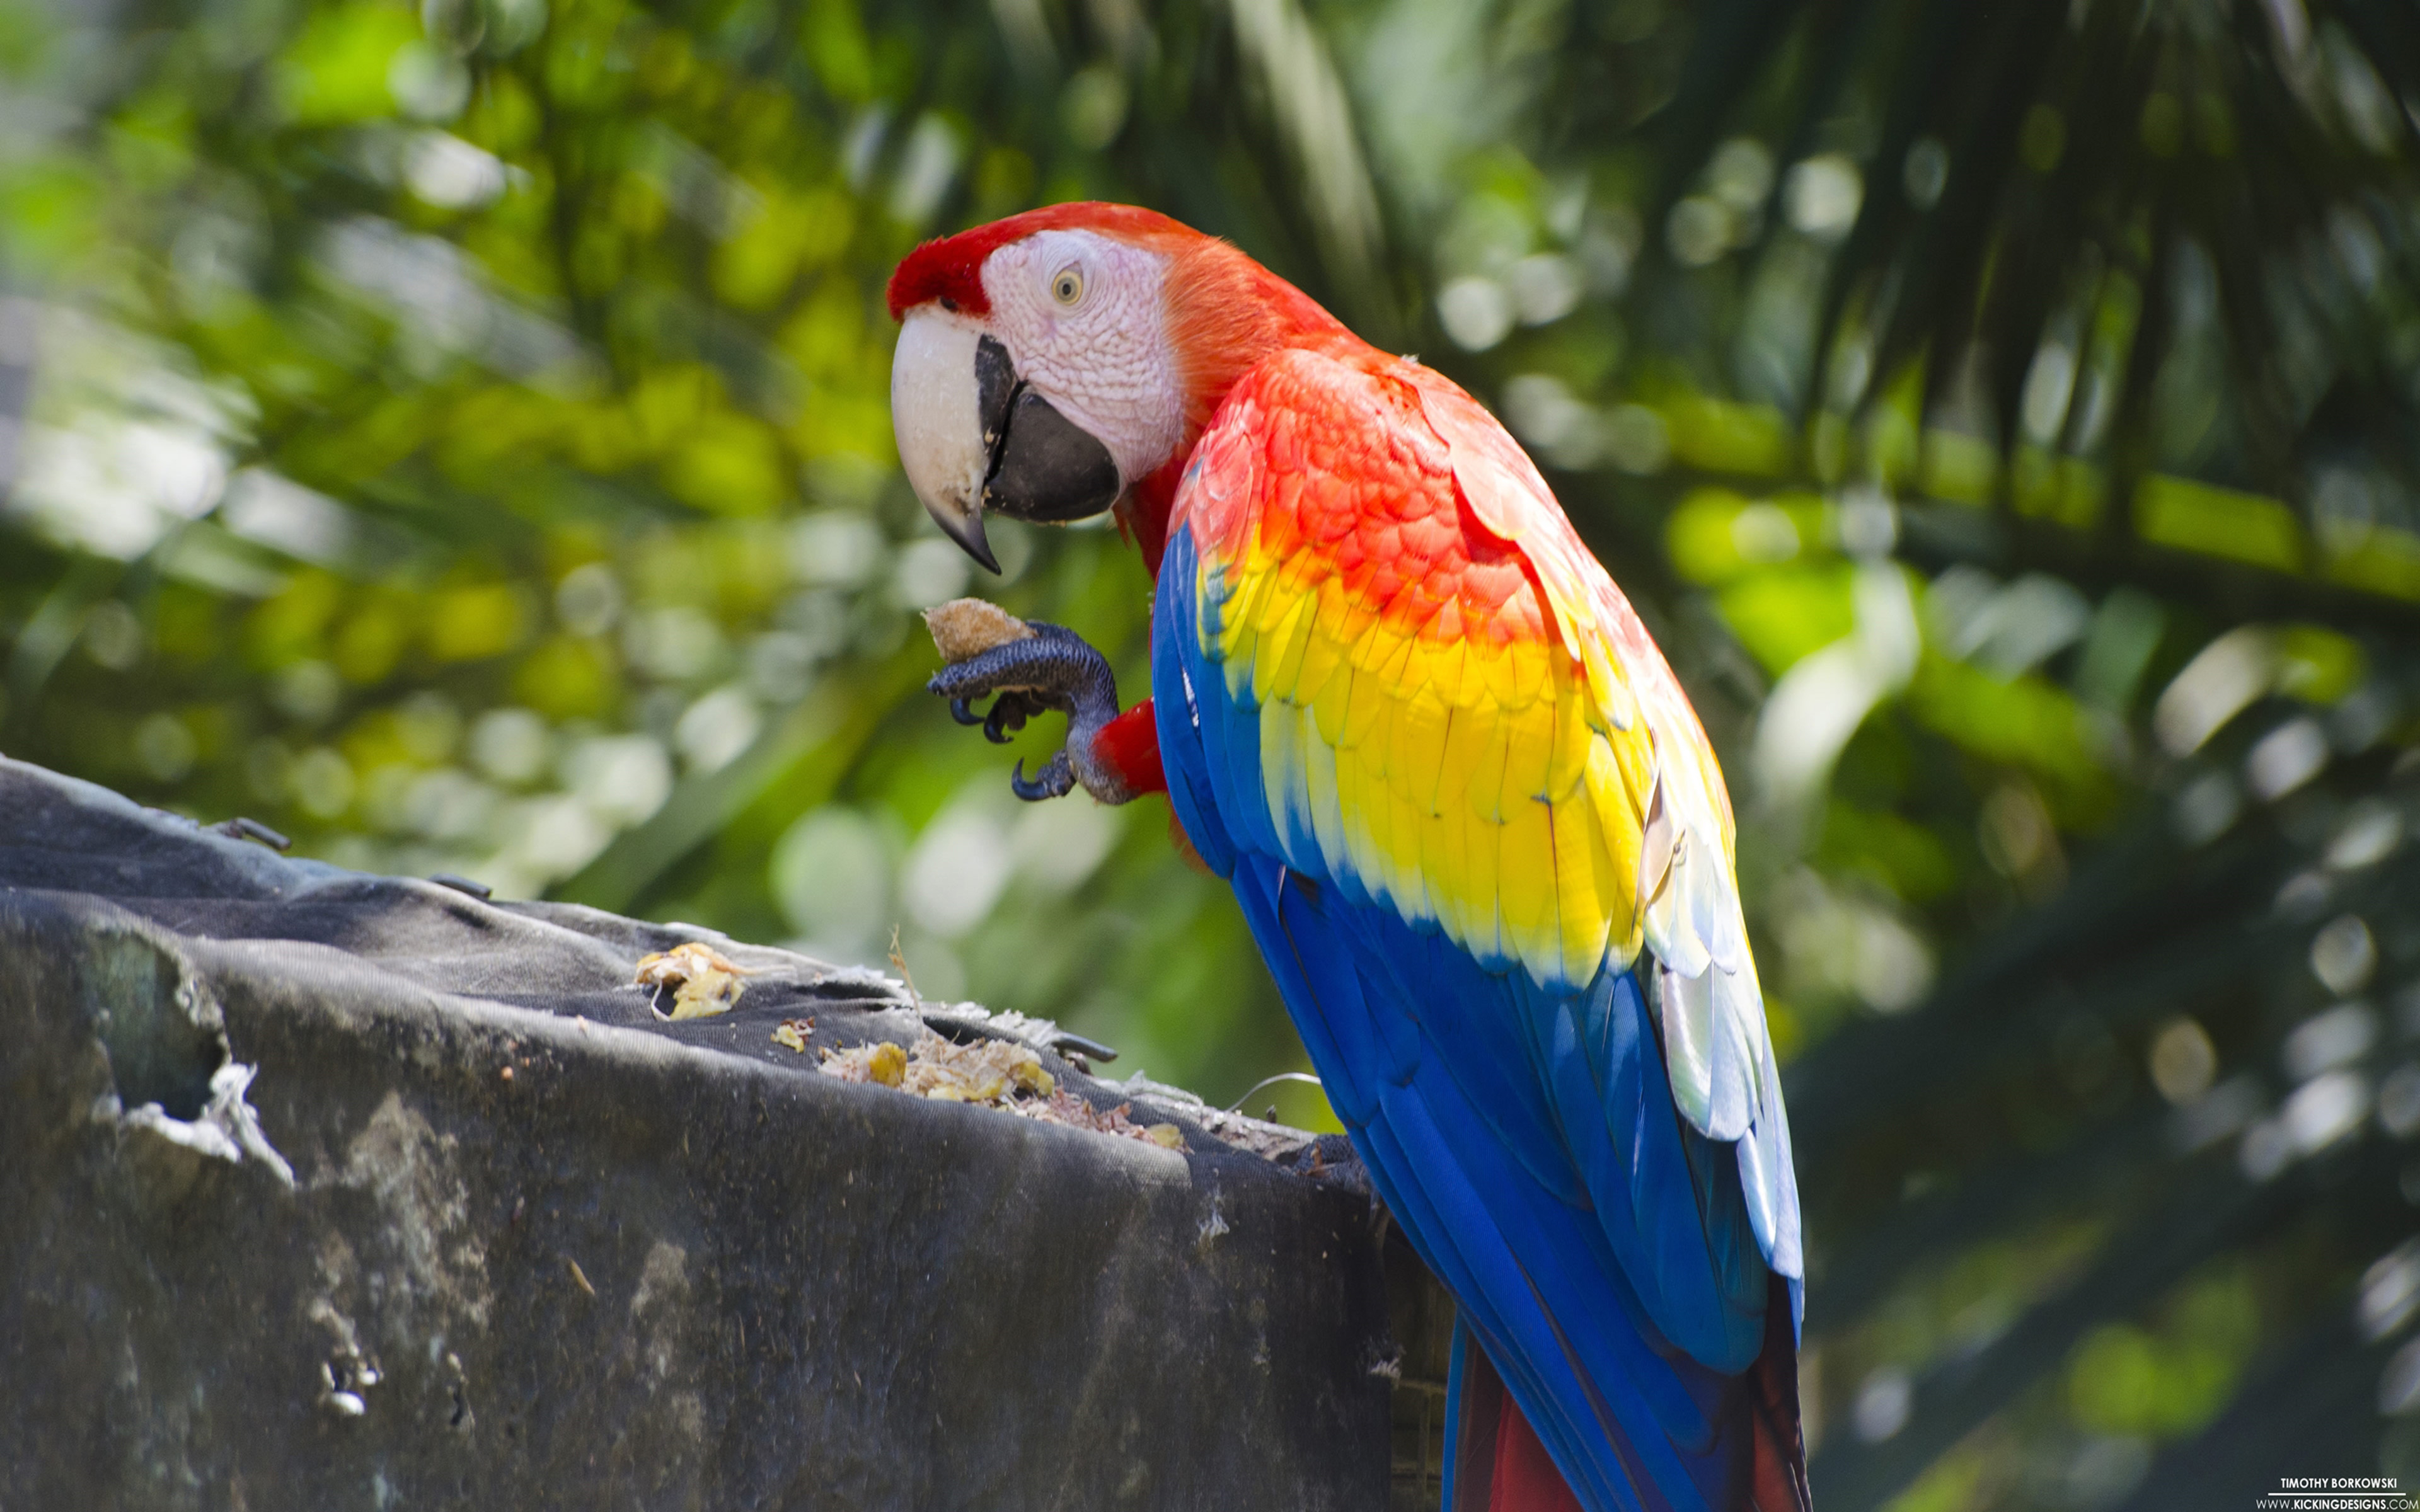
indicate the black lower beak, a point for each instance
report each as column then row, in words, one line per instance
column 1043, row 467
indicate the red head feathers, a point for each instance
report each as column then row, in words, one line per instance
column 950, row 269
column 1224, row 313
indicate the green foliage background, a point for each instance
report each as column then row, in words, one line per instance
column 456, row 436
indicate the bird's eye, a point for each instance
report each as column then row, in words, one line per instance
column 1068, row 286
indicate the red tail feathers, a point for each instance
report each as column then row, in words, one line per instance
column 1502, row 1467
column 1777, row 1461
column 1526, row 1480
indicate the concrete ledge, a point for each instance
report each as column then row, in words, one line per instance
column 280, row 1230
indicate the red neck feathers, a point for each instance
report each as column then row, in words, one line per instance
column 1225, row 314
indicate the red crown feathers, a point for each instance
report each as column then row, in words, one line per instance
column 950, row 269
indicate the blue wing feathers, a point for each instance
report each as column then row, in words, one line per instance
column 1599, row 1249
column 1647, row 1171
column 1417, row 964
column 1607, row 1132
column 1191, row 788
column 1505, row 1244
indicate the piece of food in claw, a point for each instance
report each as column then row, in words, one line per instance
column 965, row 627
column 704, row 981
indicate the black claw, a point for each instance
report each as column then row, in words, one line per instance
column 1030, row 792
column 1052, row 781
column 1052, row 670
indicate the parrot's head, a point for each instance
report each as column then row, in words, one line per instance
column 1051, row 363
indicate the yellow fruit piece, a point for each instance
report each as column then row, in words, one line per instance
column 705, row 995
column 888, row 1064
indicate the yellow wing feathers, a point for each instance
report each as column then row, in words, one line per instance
column 1469, row 781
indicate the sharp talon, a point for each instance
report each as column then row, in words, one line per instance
column 1051, row 671
column 1052, row 781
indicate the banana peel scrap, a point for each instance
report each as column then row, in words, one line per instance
column 704, row 981
column 998, row 1073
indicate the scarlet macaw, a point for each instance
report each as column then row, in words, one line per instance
column 1476, row 828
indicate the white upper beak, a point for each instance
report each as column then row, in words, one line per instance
column 936, row 418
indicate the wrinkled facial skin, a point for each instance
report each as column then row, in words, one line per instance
column 1101, row 358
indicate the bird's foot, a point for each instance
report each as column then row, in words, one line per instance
column 1054, row 667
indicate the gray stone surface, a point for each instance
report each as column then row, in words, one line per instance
column 320, row 1190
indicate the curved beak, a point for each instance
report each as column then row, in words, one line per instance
column 974, row 437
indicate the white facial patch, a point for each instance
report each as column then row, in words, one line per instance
column 1085, row 320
